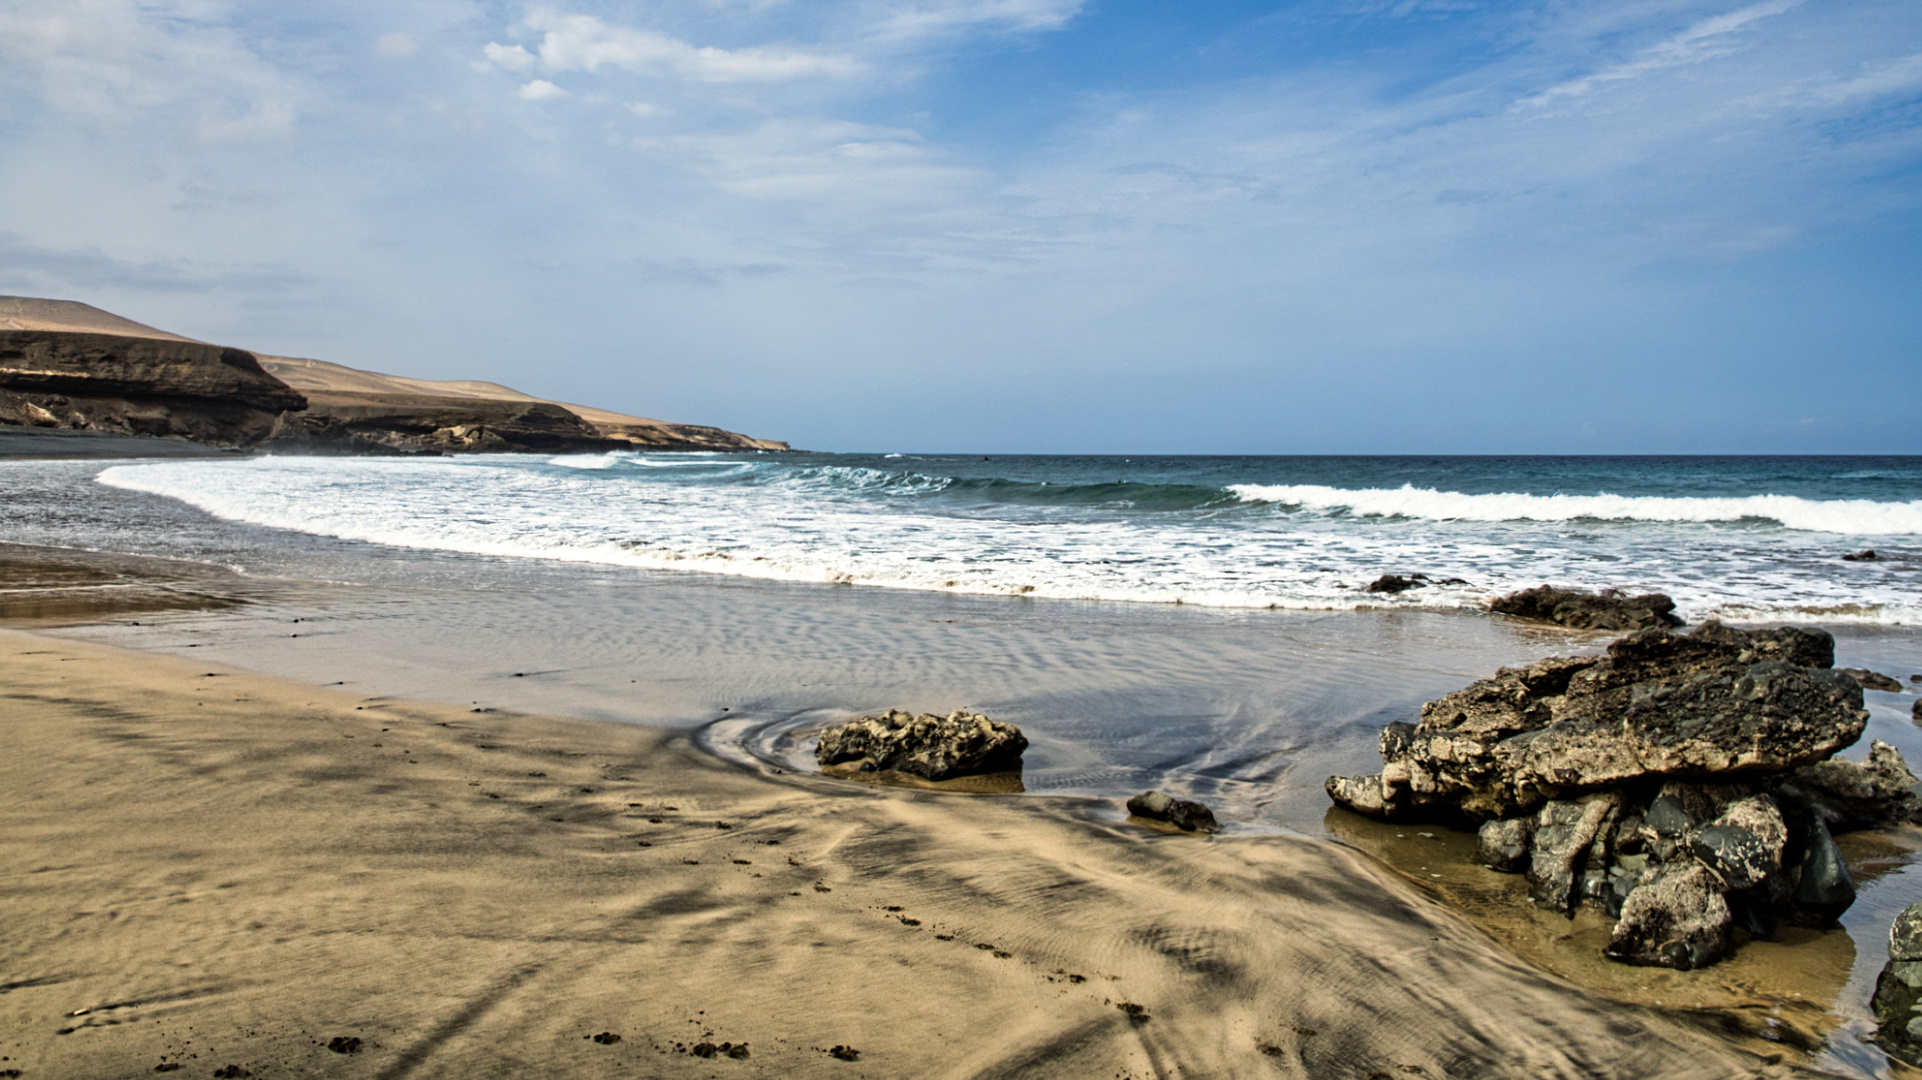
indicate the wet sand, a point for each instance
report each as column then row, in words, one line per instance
column 215, row 868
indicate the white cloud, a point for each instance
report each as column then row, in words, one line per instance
column 395, row 46
column 1706, row 40
column 585, row 43
column 643, row 108
column 540, row 90
column 508, row 57
column 932, row 18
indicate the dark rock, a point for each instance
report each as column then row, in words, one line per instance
column 344, row 1044
column 1395, row 583
column 1744, row 845
column 1503, row 845
column 366, row 423
column 1573, row 608
column 928, row 746
column 1871, row 680
column 1853, row 795
column 1675, row 918
column 1823, row 888
column 1564, row 839
column 1862, row 556
column 1716, row 702
column 1183, row 814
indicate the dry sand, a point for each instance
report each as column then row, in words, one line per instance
column 213, row 868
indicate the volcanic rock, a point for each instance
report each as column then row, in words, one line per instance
column 1853, row 795
column 1573, row 608
column 1675, row 918
column 1861, row 556
column 1872, row 680
column 1503, row 845
column 1183, row 814
column 1716, row 701
column 1898, row 991
column 928, row 746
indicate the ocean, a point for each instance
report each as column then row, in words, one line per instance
column 1737, row 538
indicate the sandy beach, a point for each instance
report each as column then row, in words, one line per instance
column 214, row 868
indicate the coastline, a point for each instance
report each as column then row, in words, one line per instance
column 237, row 867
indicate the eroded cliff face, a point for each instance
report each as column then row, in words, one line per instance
column 356, row 423
column 127, row 385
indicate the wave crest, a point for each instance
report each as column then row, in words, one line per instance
column 1848, row 517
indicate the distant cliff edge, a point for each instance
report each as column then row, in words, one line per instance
column 64, row 364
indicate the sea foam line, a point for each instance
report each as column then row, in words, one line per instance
column 1850, row 517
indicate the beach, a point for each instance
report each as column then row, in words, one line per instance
column 474, row 811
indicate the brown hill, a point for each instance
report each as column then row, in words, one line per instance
column 65, row 364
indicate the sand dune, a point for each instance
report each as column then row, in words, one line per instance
column 216, row 868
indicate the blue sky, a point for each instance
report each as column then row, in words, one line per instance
column 1632, row 226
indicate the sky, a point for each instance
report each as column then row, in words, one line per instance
column 1050, row 226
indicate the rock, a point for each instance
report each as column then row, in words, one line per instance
column 1823, row 888
column 928, row 746
column 1183, row 814
column 1862, row 556
column 1606, row 610
column 1716, row 702
column 1744, row 845
column 1853, row 795
column 1898, row 991
column 1394, row 583
column 1564, row 836
column 1915, row 710
column 1503, row 845
column 1871, row 680
column 1676, row 918
column 359, row 423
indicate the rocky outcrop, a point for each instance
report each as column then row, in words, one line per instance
column 1898, row 991
column 1681, row 783
column 1717, row 701
column 928, row 746
column 1394, row 584
column 1578, row 610
column 356, row 423
column 1184, row 814
column 122, row 385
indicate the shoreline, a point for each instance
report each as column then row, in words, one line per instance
column 243, row 868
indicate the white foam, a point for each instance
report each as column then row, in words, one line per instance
column 841, row 524
column 1849, row 517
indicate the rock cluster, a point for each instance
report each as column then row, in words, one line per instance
column 1898, row 992
column 1183, row 814
column 1578, row 610
column 1682, row 783
column 1397, row 583
column 928, row 746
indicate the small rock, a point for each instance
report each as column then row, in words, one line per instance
column 1503, row 845
column 1675, row 919
column 845, row 1053
column 1183, row 814
column 1744, row 845
column 1862, row 556
column 1823, row 889
column 928, row 746
column 1579, row 610
column 606, row 1038
column 1565, row 830
column 1905, row 934
column 1872, row 680
column 1395, row 583
column 1898, row 991
column 344, row 1044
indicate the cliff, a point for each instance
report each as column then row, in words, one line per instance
column 72, row 366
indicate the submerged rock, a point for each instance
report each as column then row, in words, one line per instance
column 928, row 746
column 1183, row 814
column 1861, row 556
column 1573, row 608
